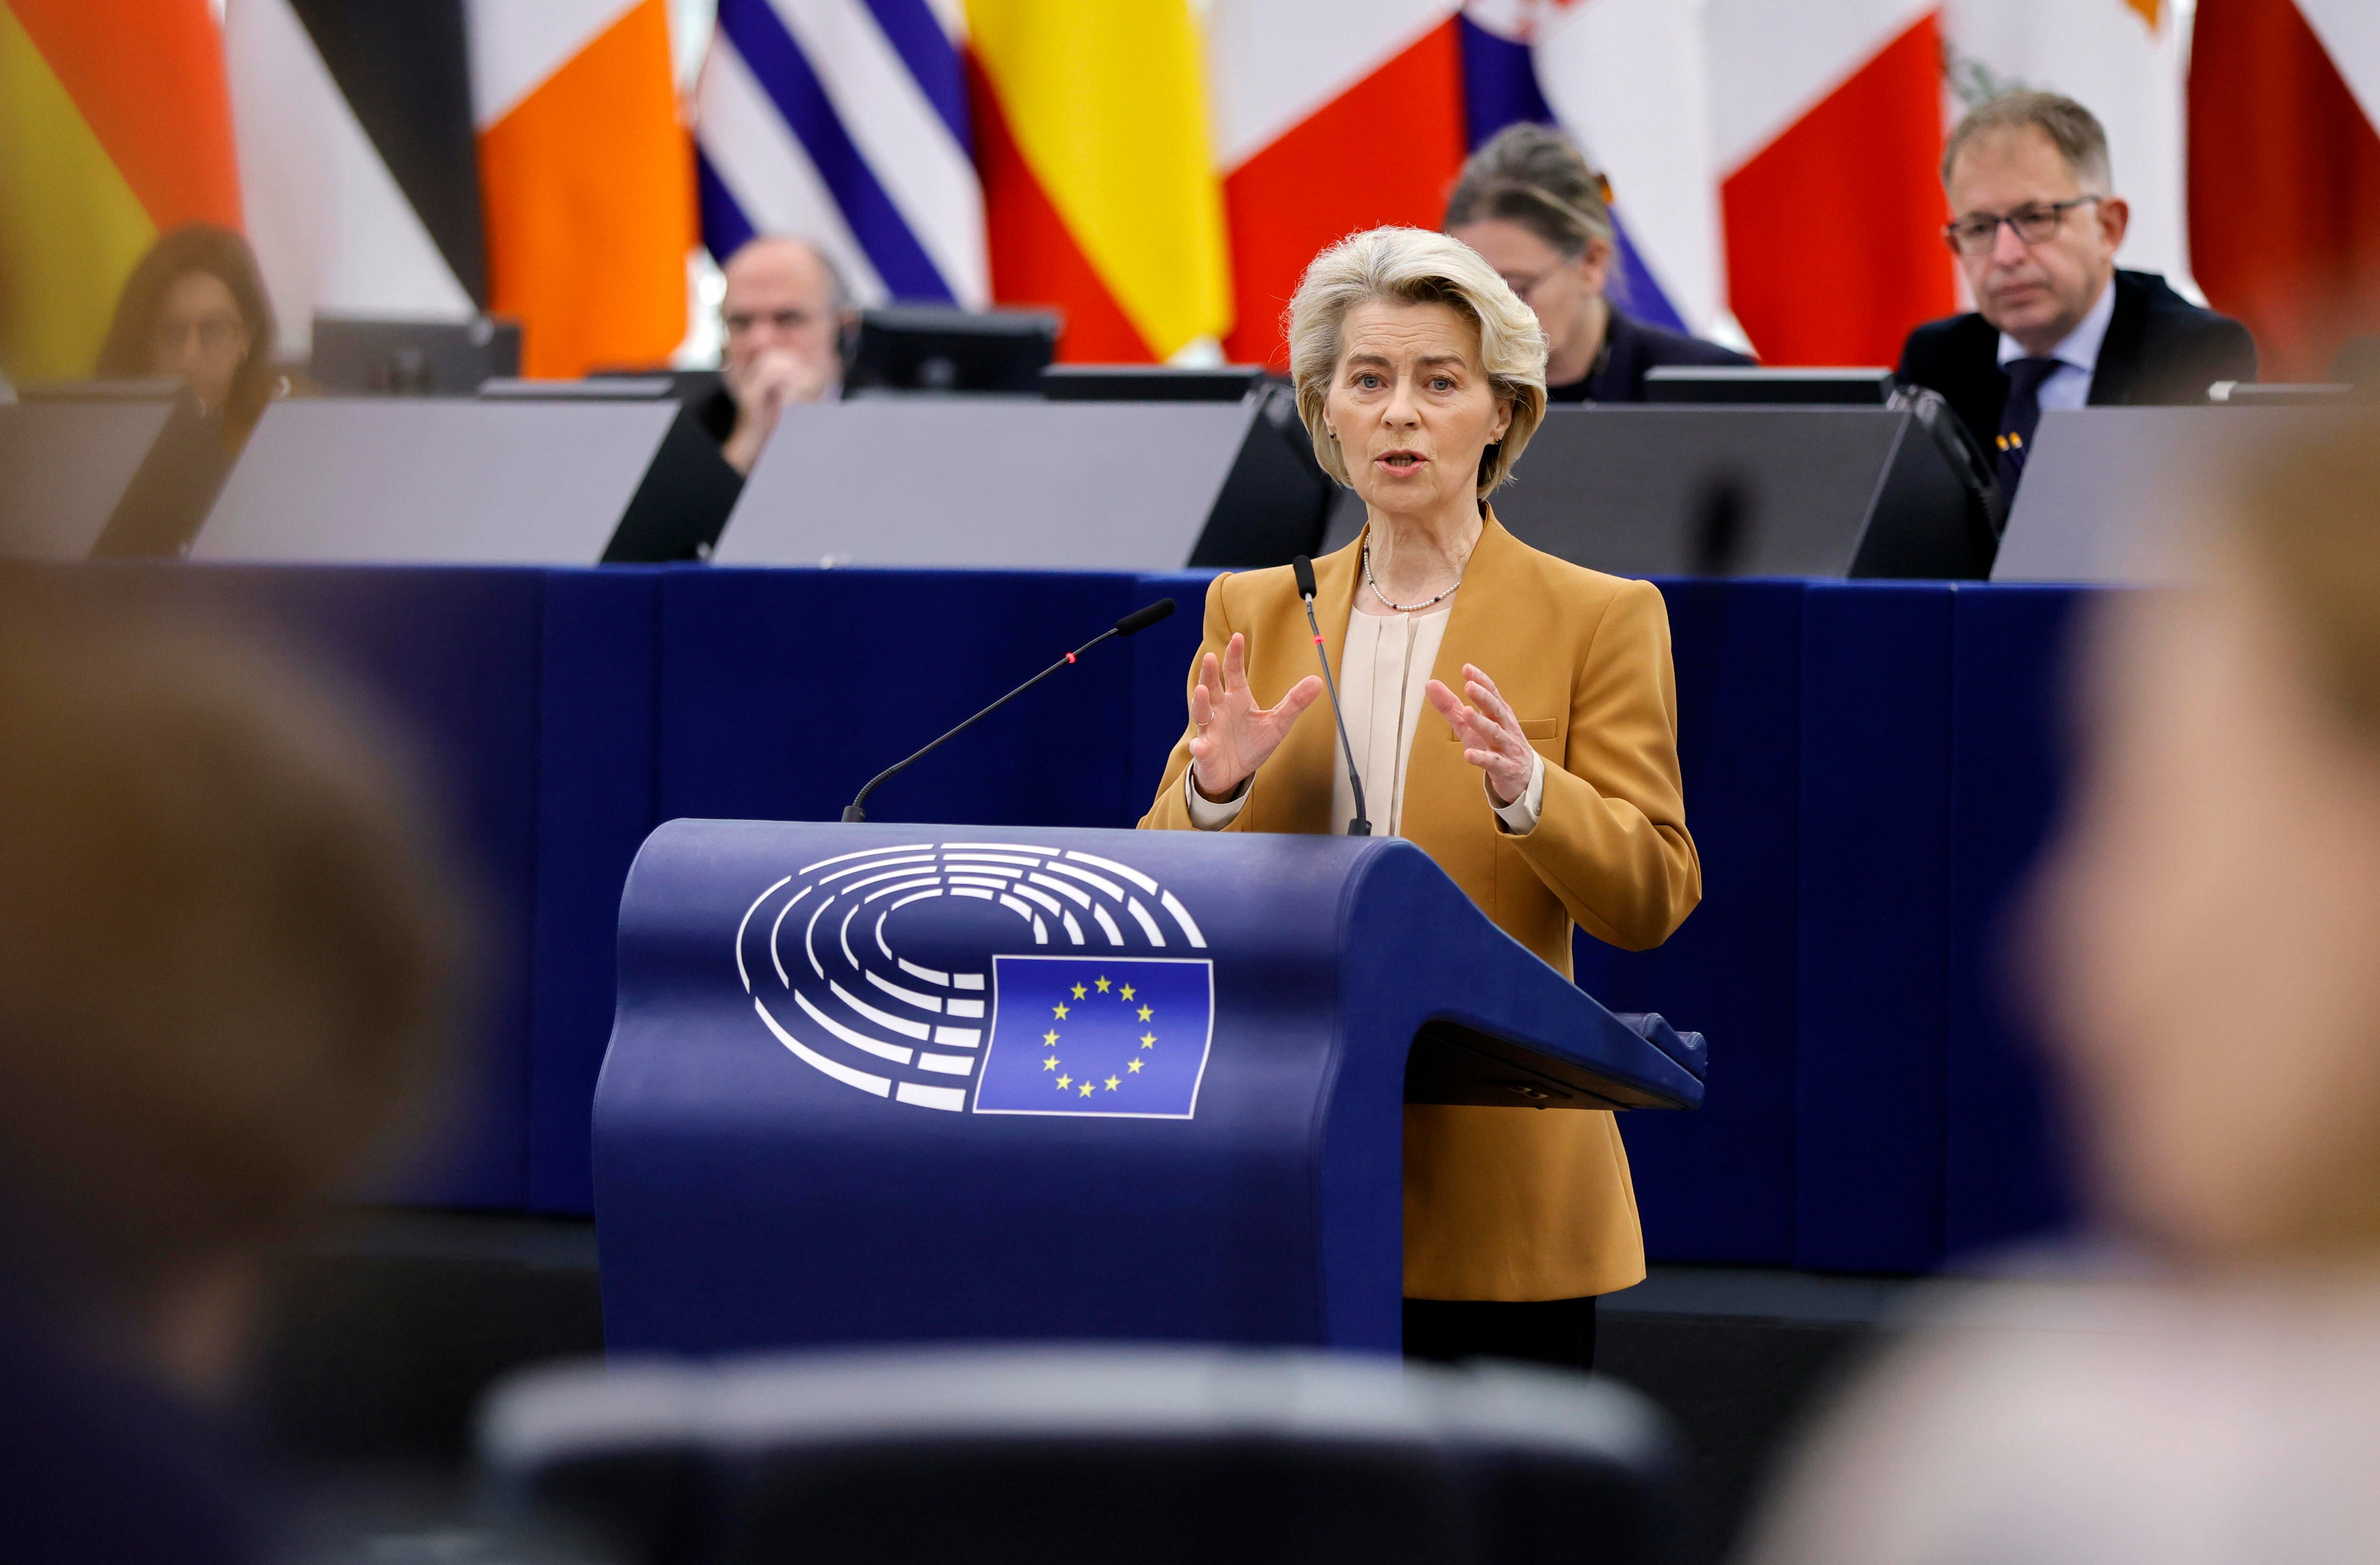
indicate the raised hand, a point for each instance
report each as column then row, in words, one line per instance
column 1232, row 736
column 1491, row 734
column 776, row 378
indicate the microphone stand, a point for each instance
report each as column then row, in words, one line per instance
column 856, row 811
column 1304, row 567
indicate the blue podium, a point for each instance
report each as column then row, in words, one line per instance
column 899, row 1083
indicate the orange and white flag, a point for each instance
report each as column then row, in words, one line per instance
column 587, row 177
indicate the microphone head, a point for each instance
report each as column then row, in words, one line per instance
column 1305, row 570
column 1140, row 620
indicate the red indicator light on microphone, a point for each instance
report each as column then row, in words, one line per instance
column 1318, row 640
column 1070, row 657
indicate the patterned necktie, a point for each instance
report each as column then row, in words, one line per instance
column 2019, row 416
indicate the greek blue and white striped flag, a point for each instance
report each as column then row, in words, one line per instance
column 846, row 122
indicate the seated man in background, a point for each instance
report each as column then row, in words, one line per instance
column 783, row 316
column 224, row 946
column 2035, row 225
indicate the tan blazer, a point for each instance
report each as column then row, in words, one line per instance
column 1513, row 1204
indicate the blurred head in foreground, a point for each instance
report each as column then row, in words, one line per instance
column 2211, row 928
column 194, row 311
column 2206, row 930
column 224, row 949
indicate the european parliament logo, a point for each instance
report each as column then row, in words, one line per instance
column 1000, row 977
column 1091, row 1035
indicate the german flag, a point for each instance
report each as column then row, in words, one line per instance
column 115, row 125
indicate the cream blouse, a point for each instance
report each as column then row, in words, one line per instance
column 1383, row 670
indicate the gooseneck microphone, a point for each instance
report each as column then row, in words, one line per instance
column 1132, row 624
column 1304, row 567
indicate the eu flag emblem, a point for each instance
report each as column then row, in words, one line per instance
column 1081, row 1034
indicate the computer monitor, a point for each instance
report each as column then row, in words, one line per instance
column 1150, row 383
column 379, row 357
column 1728, row 383
column 910, row 348
column 686, row 492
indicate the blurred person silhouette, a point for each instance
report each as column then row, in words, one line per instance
column 783, row 316
column 194, row 311
column 225, row 947
column 1528, row 202
column 2204, row 937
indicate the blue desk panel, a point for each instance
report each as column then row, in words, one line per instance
column 2005, row 1177
column 782, row 692
column 1160, row 669
column 1875, row 833
column 1716, row 1185
column 599, row 650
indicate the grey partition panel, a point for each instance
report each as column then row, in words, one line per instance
column 2106, row 488
column 107, row 476
column 1738, row 491
column 399, row 481
column 962, row 482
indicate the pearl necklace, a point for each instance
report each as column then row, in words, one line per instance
column 1404, row 608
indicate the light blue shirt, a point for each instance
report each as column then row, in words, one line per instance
column 2068, row 386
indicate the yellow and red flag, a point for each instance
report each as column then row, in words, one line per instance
column 1098, row 175
column 115, row 125
column 587, row 177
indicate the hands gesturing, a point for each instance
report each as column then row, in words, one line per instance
column 1491, row 735
column 1234, row 735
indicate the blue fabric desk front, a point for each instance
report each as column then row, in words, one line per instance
column 1869, row 771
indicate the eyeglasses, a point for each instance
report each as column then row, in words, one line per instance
column 743, row 323
column 214, row 333
column 2034, row 225
column 1524, row 287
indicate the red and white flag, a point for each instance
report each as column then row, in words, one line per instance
column 2285, row 173
column 1330, row 117
column 1828, row 126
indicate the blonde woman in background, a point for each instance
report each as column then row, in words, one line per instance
column 1528, row 204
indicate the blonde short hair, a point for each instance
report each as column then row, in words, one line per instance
column 1416, row 266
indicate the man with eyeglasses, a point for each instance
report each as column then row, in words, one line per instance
column 2036, row 229
column 783, row 318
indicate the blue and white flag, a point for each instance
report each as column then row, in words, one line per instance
column 844, row 122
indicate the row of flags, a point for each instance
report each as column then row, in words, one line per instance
column 1158, row 169
column 434, row 160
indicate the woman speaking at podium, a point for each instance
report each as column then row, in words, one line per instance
column 1511, row 715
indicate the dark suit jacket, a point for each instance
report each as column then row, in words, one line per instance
column 1631, row 347
column 2160, row 350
